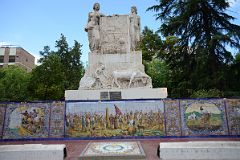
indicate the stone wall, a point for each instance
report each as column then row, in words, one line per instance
column 123, row 119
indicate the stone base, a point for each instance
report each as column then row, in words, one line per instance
column 200, row 150
column 32, row 152
column 113, row 150
column 116, row 94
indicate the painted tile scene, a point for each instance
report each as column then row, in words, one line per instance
column 26, row 120
column 129, row 118
column 203, row 117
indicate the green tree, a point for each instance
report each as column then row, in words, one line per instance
column 203, row 30
column 14, row 82
column 159, row 72
column 150, row 44
column 70, row 59
column 47, row 80
column 59, row 70
column 233, row 78
column 153, row 51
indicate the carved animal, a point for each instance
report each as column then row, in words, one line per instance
column 130, row 75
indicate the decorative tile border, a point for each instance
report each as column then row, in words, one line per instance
column 2, row 115
column 233, row 116
column 57, row 119
column 173, row 118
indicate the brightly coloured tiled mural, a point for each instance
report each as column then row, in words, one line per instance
column 203, row 117
column 133, row 118
column 26, row 120
column 108, row 119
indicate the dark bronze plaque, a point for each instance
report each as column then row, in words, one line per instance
column 104, row 95
column 115, row 95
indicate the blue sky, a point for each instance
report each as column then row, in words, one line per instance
column 33, row 24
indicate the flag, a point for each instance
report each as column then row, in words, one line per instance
column 117, row 110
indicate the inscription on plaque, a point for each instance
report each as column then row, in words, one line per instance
column 104, row 95
column 115, row 95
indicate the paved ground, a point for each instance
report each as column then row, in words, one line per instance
column 75, row 147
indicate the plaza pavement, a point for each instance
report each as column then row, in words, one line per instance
column 75, row 147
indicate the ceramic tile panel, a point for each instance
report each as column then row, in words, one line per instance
column 203, row 117
column 233, row 116
column 115, row 118
column 2, row 113
column 26, row 120
column 57, row 119
column 173, row 118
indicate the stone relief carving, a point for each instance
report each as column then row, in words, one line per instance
column 117, row 35
column 134, row 28
column 114, row 34
column 102, row 80
column 97, row 81
column 93, row 28
column 87, row 82
column 131, row 78
column 126, row 78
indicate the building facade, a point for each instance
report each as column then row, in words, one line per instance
column 16, row 56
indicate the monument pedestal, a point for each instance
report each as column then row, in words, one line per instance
column 115, row 70
column 116, row 94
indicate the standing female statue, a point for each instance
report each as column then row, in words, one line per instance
column 134, row 28
column 93, row 28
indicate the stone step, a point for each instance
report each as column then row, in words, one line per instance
column 33, row 152
column 200, row 150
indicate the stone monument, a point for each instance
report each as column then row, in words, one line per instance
column 115, row 69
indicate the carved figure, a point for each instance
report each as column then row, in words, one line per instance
column 101, row 77
column 134, row 28
column 93, row 28
column 87, row 82
column 131, row 76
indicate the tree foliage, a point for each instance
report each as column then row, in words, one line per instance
column 159, row 72
column 47, row 79
column 14, row 82
column 59, row 70
column 152, row 51
column 150, row 45
column 199, row 58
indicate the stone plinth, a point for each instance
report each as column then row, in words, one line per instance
column 113, row 62
column 200, row 150
column 113, row 150
column 32, row 152
column 132, row 93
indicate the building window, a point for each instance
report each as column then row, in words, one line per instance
column 1, row 59
column 11, row 59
